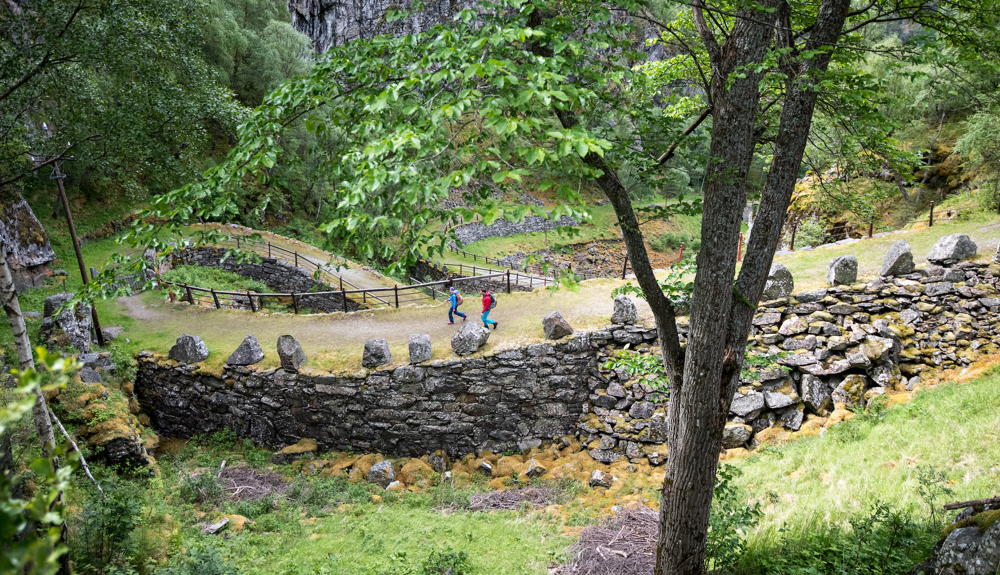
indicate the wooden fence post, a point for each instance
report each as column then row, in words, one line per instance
column 508, row 281
column 296, row 259
column 343, row 295
column 625, row 266
column 931, row 224
column 237, row 242
column 268, row 249
column 187, row 289
column 295, row 304
column 680, row 256
column 791, row 245
column 215, row 298
column 395, row 290
column 253, row 307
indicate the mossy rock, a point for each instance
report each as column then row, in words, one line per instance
column 304, row 447
column 983, row 520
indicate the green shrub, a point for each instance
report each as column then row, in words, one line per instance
column 214, row 278
column 317, row 494
column 671, row 241
column 199, row 561
column 254, row 455
column 201, row 488
column 881, row 541
column 103, row 534
column 730, row 520
column 810, row 233
column 224, row 440
column 444, row 561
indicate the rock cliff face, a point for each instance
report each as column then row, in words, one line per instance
column 27, row 247
column 335, row 22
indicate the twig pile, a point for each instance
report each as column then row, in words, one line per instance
column 247, row 484
column 626, row 545
column 514, row 499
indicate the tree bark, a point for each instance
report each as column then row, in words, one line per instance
column 12, row 308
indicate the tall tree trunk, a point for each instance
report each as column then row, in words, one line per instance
column 11, row 306
column 16, row 320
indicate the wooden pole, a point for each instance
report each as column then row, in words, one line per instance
column 931, row 224
column 295, row 304
column 791, row 246
column 215, row 298
column 190, row 296
column 76, row 247
column 739, row 249
column 344, row 295
column 871, row 228
column 508, row 281
column 253, row 307
column 625, row 266
column 680, row 256
column 395, row 290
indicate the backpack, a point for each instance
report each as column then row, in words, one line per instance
column 493, row 300
column 458, row 299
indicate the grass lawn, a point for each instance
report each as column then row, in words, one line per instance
column 378, row 538
column 817, row 482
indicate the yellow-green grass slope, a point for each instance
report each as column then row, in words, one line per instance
column 817, row 482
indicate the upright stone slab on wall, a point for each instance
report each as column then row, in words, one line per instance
column 376, row 353
column 248, row 353
column 469, row 339
column 290, row 353
column 189, row 349
column 898, row 260
column 779, row 283
column 952, row 249
column 625, row 312
column 555, row 327
column 843, row 270
column 420, row 348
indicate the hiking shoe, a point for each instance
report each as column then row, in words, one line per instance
column 464, row 318
column 451, row 323
column 495, row 325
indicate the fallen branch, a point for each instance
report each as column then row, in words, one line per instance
column 83, row 461
column 972, row 503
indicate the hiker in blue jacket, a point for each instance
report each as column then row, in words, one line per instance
column 455, row 299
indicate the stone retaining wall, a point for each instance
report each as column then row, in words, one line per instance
column 844, row 346
column 278, row 275
column 475, row 231
column 427, row 272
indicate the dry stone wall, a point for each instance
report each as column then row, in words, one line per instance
column 278, row 275
column 475, row 231
column 843, row 346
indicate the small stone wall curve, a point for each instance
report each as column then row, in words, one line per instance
column 877, row 337
column 278, row 275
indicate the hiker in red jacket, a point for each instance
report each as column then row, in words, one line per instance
column 489, row 302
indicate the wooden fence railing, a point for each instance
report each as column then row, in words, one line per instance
column 393, row 296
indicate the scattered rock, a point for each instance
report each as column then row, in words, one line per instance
column 601, row 479
column 71, row 327
column 248, row 353
column 625, row 312
column 555, row 326
column 952, row 249
column 843, row 270
column 736, row 435
column 88, row 375
column 898, row 260
column 376, row 353
column 189, row 349
column 420, row 348
column 469, row 339
column 535, row 469
column 381, row 474
column 304, row 447
column 214, row 528
column 291, row 354
column 971, row 548
column 779, row 283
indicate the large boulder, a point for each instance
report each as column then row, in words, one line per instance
column 469, row 339
column 952, row 249
column 70, row 328
column 189, row 349
column 843, row 270
column 291, row 354
column 625, row 312
column 555, row 326
column 971, row 548
column 898, row 260
column 248, row 353
column 779, row 283
column 376, row 353
column 420, row 348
